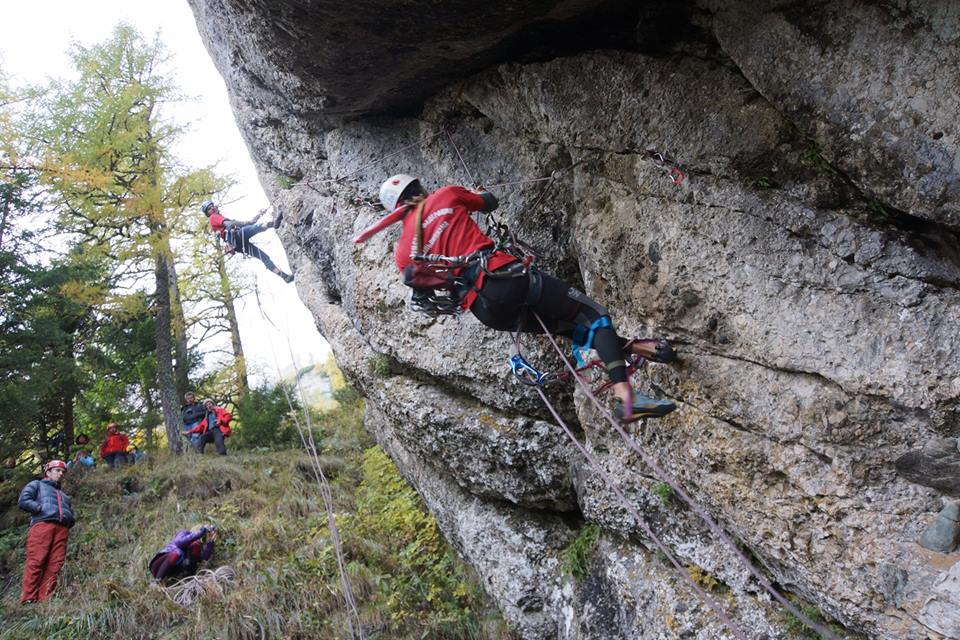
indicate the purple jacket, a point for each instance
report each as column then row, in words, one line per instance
column 184, row 538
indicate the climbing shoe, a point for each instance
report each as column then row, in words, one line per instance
column 655, row 349
column 277, row 220
column 287, row 277
column 644, row 407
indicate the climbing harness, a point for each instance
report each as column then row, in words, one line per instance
column 310, row 445
column 583, row 337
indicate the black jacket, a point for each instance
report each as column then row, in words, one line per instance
column 44, row 500
column 192, row 414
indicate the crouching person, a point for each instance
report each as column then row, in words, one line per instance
column 82, row 460
column 114, row 447
column 47, row 536
column 213, row 428
column 183, row 555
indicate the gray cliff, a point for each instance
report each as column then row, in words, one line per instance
column 807, row 268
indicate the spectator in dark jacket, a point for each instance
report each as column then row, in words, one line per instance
column 114, row 448
column 183, row 555
column 213, row 428
column 47, row 536
column 192, row 413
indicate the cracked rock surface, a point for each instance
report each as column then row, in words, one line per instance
column 806, row 267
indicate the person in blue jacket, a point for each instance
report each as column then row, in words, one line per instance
column 83, row 460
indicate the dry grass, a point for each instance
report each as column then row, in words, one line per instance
column 273, row 535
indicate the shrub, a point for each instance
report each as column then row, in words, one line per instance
column 575, row 558
column 663, row 491
column 265, row 419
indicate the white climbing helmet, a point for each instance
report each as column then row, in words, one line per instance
column 391, row 189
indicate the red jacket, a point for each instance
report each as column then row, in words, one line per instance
column 114, row 443
column 216, row 224
column 223, row 418
column 448, row 230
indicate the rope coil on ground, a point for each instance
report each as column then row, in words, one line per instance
column 186, row 592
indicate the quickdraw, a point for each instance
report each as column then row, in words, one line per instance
column 591, row 372
column 673, row 171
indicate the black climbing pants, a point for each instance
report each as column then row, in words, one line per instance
column 501, row 304
column 239, row 239
column 216, row 437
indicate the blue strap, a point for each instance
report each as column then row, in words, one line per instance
column 525, row 372
column 583, row 337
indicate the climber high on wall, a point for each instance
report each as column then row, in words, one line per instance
column 441, row 247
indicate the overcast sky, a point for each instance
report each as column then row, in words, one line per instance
column 34, row 37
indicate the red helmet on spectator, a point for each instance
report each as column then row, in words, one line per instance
column 54, row 464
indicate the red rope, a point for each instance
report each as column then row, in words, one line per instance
column 667, row 478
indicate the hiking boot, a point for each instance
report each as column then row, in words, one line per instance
column 644, row 407
column 287, row 277
column 655, row 349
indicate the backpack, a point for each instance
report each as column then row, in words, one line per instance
column 223, row 421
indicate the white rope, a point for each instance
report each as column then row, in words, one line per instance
column 306, row 438
column 186, row 592
column 662, row 475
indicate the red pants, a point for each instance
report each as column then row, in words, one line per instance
column 46, row 551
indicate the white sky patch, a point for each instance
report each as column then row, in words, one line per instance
column 34, row 38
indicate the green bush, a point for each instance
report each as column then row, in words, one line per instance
column 421, row 586
column 575, row 558
column 663, row 491
column 265, row 418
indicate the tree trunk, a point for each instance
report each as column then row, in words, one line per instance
column 239, row 362
column 179, row 326
column 149, row 420
column 165, row 377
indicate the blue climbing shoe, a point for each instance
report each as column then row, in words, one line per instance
column 644, row 407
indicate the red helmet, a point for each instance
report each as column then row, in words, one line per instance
column 54, row 464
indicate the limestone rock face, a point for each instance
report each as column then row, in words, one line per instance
column 936, row 465
column 764, row 189
column 865, row 81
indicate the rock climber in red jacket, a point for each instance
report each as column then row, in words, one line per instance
column 498, row 289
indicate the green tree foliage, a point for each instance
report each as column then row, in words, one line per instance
column 119, row 190
column 46, row 312
column 265, row 417
column 41, row 368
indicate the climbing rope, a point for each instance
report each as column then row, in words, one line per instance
column 677, row 177
column 470, row 176
column 632, row 510
column 205, row 583
column 310, row 445
column 314, row 184
column 662, row 475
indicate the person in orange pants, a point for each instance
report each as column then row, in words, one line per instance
column 48, row 533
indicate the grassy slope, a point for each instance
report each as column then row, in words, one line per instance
column 407, row 582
